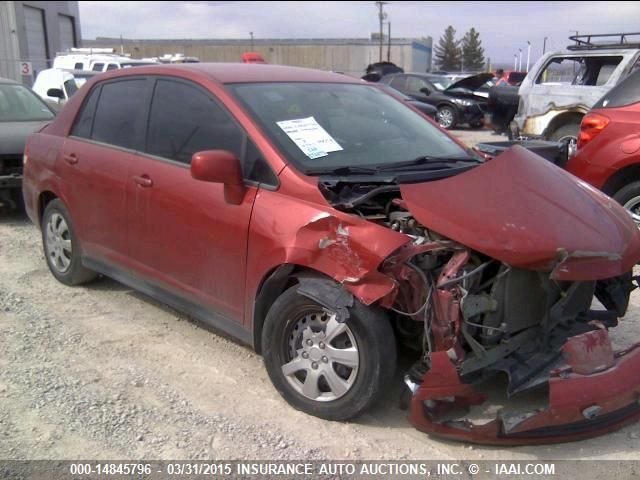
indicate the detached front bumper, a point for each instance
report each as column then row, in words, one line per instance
column 596, row 392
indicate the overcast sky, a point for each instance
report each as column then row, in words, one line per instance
column 504, row 26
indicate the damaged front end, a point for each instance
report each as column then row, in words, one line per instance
column 510, row 302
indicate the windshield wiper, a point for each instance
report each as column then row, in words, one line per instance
column 346, row 170
column 426, row 162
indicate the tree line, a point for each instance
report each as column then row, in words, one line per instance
column 465, row 54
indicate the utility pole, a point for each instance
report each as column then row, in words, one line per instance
column 388, row 41
column 528, row 53
column 544, row 45
column 515, row 61
column 251, row 33
column 520, row 61
column 381, row 17
column 121, row 46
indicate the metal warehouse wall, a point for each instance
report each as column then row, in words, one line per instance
column 18, row 42
column 9, row 49
column 350, row 58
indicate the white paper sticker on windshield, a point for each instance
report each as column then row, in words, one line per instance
column 310, row 137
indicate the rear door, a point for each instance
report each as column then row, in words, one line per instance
column 95, row 159
column 182, row 233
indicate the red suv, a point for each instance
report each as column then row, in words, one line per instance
column 318, row 219
column 608, row 155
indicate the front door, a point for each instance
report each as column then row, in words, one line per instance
column 182, row 233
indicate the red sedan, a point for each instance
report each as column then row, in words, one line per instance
column 608, row 155
column 320, row 220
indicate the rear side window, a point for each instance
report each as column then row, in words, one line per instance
column 97, row 67
column 70, row 87
column 185, row 120
column 118, row 111
column 586, row 71
column 112, row 66
column 78, row 66
column 84, row 121
column 625, row 93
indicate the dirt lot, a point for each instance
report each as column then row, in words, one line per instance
column 104, row 372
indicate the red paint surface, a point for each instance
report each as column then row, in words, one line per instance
column 569, row 395
column 614, row 148
column 521, row 209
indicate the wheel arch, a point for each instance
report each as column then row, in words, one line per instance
column 273, row 284
column 44, row 198
column 313, row 284
column 622, row 177
column 562, row 119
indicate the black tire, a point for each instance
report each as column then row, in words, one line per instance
column 565, row 132
column 627, row 194
column 447, row 117
column 75, row 273
column 376, row 350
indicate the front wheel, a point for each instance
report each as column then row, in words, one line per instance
column 629, row 197
column 330, row 369
column 447, row 117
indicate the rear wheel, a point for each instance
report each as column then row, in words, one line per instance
column 330, row 369
column 447, row 117
column 61, row 247
column 567, row 134
column 629, row 197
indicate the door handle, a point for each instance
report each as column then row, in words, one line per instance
column 143, row 181
column 71, row 159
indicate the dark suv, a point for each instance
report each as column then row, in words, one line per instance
column 460, row 102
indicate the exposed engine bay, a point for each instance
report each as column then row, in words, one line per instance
column 473, row 318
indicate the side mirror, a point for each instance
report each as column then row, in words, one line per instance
column 56, row 93
column 220, row 166
column 426, row 91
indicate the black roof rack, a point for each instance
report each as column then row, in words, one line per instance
column 605, row 40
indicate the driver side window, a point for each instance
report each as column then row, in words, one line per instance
column 185, row 120
column 415, row 85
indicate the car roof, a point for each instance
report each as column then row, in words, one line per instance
column 239, row 73
column 7, row 80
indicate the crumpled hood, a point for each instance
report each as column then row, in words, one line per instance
column 13, row 135
column 522, row 210
column 472, row 83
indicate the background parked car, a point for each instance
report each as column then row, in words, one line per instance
column 428, row 110
column 511, row 77
column 82, row 59
column 376, row 71
column 561, row 87
column 252, row 57
column 458, row 103
column 21, row 113
column 55, row 86
column 608, row 155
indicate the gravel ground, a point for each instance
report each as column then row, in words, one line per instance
column 104, row 372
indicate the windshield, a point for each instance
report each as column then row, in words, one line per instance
column 325, row 126
column 18, row 104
